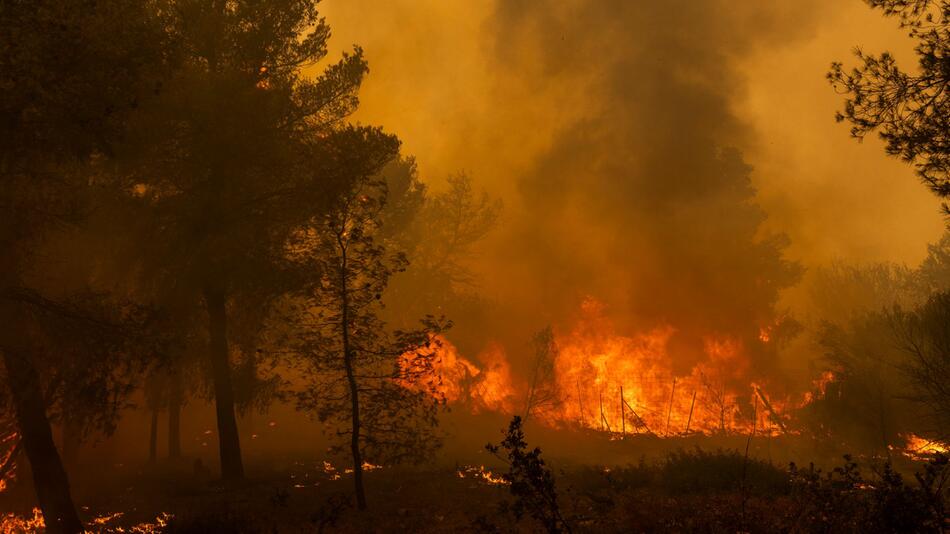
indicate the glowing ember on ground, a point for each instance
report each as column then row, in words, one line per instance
column 330, row 470
column 14, row 524
column 366, row 467
column 479, row 472
column 161, row 521
column 9, row 445
column 102, row 520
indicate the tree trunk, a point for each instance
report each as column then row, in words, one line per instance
column 49, row 477
column 355, row 436
column 174, row 417
column 229, row 443
column 153, row 437
column 354, row 391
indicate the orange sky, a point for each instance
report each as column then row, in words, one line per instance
column 433, row 81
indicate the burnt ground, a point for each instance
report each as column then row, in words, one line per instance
column 641, row 485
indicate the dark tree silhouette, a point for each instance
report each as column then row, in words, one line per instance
column 531, row 481
column 542, row 390
column 924, row 334
column 373, row 387
column 68, row 77
column 864, row 403
column 237, row 153
column 439, row 232
column 909, row 111
column 933, row 274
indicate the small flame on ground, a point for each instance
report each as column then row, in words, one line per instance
column 330, row 470
column 9, row 442
column 103, row 519
column 14, row 524
column 479, row 472
column 366, row 467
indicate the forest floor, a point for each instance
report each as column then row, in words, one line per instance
column 684, row 491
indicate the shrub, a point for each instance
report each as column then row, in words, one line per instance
column 844, row 501
column 531, row 482
column 699, row 471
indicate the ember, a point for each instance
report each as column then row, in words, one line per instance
column 480, row 473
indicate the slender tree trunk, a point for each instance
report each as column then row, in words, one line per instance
column 354, row 390
column 49, row 476
column 174, row 417
column 153, row 437
column 229, row 443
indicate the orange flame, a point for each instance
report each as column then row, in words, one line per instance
column 919, row 448
column 480, row 473
column 14, row 524
column 626, row 384
column 487, row 387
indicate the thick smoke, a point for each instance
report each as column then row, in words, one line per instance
column 608, row 127
column 639, row 199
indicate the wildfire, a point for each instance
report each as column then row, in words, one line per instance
column 819, row 387
column 480, row 473
column 14, row 524
column 918, row 448
column 486, row 388
column 366, row 467
column 103, row 519
column 627, row 384
column 333, row 474
column 330, row 471
column 10, row 443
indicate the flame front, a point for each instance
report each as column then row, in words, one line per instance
column 919, row 448
column 484, row 388
column 627, row 384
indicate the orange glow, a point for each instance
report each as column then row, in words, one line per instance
column 103, row 519
column 366, row 467
column 492, row 389
column 595, row 364
column 486, row 388
column 626, row 384
column 480, row 473
column 819, row 387
column 14, row 524
column 919, row 448
column 8, row 442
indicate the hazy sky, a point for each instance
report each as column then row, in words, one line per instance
column 436, row 81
